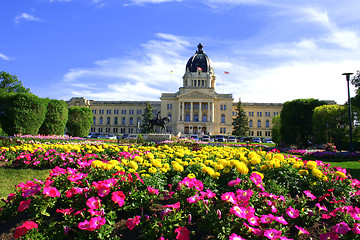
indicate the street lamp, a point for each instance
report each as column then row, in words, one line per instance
column 350, row 121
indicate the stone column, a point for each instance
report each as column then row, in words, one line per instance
column 191, row 111
column 179, row 112
column 200, row 111
column 183, row 111
column 213, row 112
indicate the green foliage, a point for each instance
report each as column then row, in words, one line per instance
column 296, row 121
column 240, row 123
column 22, row 113
column 276, row 136
column 55, row 118
column 330, row 123
column 146, row 127
column 79, row 121
column 11, row 83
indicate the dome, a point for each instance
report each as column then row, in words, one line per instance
column 199, row 60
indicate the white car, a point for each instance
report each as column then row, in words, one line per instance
column 110, row 136
column 256, row 140
column 232, row 139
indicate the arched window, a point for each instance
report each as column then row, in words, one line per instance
column 187, row 118
column 94, row 120
column 123, row 121
column 131, row 121
column 259, row 123
column 138, row 121
column 108, row 120
column 115, row 121
column 204, row 118
column 222, row 118
column 101, row 120
column 251, row 123
column 267, row 123
column 196, row 118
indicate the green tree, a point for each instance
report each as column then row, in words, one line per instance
column 21, row 113
column 55, row 118
column 330, row 123
column 11, row 83
column 146, row 127
column 296, row 121
column 79, row 121
column 240, row 122
column 276, row 136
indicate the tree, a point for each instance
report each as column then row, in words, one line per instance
column 240, row 122
column 276, row 136
column 21, row 113
column 79, row 121
column 146, row 127
column 55, row 118
column 11, row 83
column 330, row 123
column 296, row 121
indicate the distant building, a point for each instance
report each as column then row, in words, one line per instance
column 195, row 109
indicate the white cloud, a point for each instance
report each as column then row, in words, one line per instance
column 26, row 17
column 4, row 57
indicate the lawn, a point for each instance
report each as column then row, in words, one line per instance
column 352, row 166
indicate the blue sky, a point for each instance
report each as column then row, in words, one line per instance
column 275, row 50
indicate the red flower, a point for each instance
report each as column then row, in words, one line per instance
column 20, row 231
column 132, row 222
column 24, row 205
column 182, row 233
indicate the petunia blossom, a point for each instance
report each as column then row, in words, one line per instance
column 51, row 192
column 93, row 202
column 302, row 230
column 292, row 212
column 328, row 236
column 234, row 236
column 24, row 205
column 341, row 228
column 132, row 222
column 182, row 233
column 356, row 228
column 26, row 226
column 118, row 197
column 272, row 234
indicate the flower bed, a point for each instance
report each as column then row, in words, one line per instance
column 146, row 192
column 322, row 155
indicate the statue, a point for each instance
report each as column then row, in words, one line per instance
column 158, row 121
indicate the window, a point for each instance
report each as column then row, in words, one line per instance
column 223, row 118
column 221, row 107
column 101, row 111
column 204, row 118
column 108, row 120
column 100, row 130
column 94, row 111
column 94, row 120
column 131, row 111
column 259, row 123
column 138, row 112
column 123, row 111
column 259, row 133
column 170, row 117
column 123, row 121
column 187, row 118
column 251, row 114
column 138, row 121
column 251, row 123
column 131, row 121
column 116, row 111
column 101, row 120
column 108, row 111
column 224, row 107
column 259, row 114
column 267, row 123
column 196, row 118
column 116, row 120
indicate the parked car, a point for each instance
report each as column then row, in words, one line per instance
column 110, row 136
column 256, row 140
column 205, row 138
column 195, row 137
column 220, row 138
column 232, row 139
column 268, row 140
column 125, row 136
column 134, row 137
column 96, row 135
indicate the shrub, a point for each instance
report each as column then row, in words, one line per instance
column 79, row 121
column 55, row 118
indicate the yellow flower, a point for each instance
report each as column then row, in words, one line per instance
column 311, row 165
column 317, row 173
column 303, row 172
column 191, row 175
column 264, row 167
column 156, row 163
column 133, row 164
column 340, row 174
column 138, row 159
column 178, row 167
column 242, row 168
column 152, row 170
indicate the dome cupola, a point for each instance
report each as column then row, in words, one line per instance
column 199, row 61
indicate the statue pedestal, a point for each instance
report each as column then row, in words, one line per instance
column 156, row 137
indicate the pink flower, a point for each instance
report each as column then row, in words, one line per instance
column 51, row 192
column 132, row 222
column 93, row 202
column 292, row 212
column 356, row 228
column 118, row 197
column 269, row 218
column 281, row 220
column 24, row 205
column 153, row 190
column 20, row 231
column 193, row 199
column 328, row 236
column 174, row 206
column 182, row 233
column 321, row 207
column 254, row 221
column 341, row 228
column 272, row 234
column 234, row 236
column 354, row 212
column 301, row 230
column 234, row 182
column 97, row 222
column 242, row 212
column 66, row 211
column 229, row 197
column 85, row 225
column 309, row 194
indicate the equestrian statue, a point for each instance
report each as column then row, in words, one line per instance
column 158, row 121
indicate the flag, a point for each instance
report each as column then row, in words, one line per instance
column 199, row 68
column 226, row 72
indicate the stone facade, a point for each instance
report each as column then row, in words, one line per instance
column 195, row 109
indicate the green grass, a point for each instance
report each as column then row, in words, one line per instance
column 10, row 177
